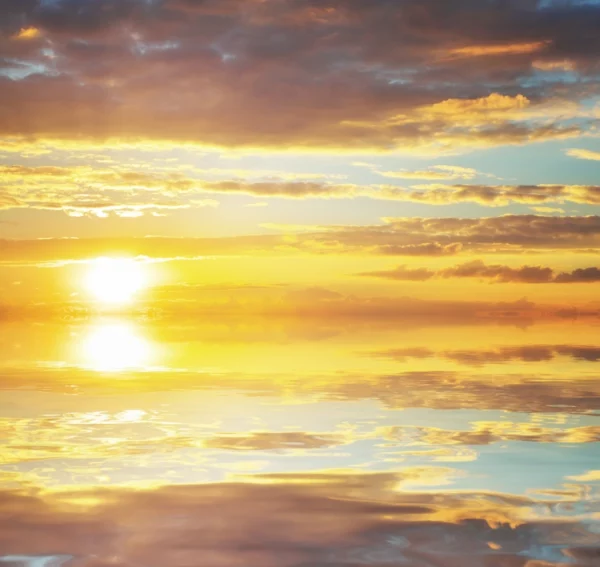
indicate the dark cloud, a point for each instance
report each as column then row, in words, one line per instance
column 499, row 273
column 581, row 275
column 85, row 18
column 296, row 520
column 14, row 13
column 474, row 357
column 495, row 273
column 382, row 74
column 507, row 233
column 396, row 236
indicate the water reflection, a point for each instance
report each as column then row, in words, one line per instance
column 359, row 446
column 115, row 347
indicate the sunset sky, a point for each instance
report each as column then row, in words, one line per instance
column 299, row 283
column 390, row 148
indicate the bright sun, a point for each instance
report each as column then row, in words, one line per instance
column 115, row 280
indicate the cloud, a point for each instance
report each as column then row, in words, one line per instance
column 548, row 210
column 327, row 75
column 267, row 441
column 508, row 232
column 474, row 357
column 581, row 275
column 431, row 194
column 496, row 273
column 414, row 236
column 84, row 190
column 486, row 433
column 589, row 476
column 584, row 154
column 293, row 190
column 502, row 195
column 402, row 273
column 434, row 172
column 499, row 273
column 557, row 65
column 27, row 33
column 79, row 190
column 313, row 518
column 494, row 50
column 426, row 249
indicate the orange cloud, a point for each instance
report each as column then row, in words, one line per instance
column 28, row 33
column 556, row 65
column 492, row 50
column 435, row 172
column 583, row 154
column 496, row 273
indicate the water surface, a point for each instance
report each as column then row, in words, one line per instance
column 287, row 443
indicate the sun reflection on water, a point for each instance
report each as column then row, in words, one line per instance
column 115, row 347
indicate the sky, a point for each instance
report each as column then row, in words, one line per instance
column 299, row 283
column 389, row 148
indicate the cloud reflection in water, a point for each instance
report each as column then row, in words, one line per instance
column 238, row 453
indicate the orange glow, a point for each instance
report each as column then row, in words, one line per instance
column 489, row 50
column 299, row 283
column 28, row 33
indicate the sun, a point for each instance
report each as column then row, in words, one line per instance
column 115, row 280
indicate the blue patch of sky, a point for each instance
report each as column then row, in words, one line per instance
column 517, row 467
column 511, row 467
column 142, row 48
column 540, row 78
column 550, row 4
column 17, row 69
column 541, row 163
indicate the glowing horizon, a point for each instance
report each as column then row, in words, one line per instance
column 299, row 283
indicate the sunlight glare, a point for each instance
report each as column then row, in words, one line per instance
column 115, row 347
column 115, row 280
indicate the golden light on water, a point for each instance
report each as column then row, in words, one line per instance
column 114, row 347
column 115, row 280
